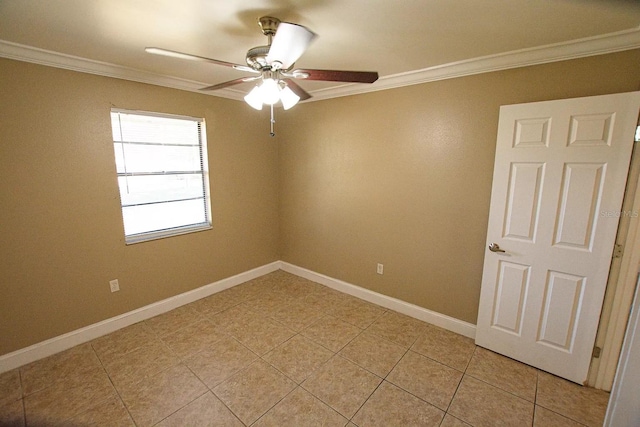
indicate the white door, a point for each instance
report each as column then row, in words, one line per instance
column 559, row 177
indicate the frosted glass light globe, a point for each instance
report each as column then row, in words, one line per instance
column 270, row 91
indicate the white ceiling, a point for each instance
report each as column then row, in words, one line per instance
column 406, row 41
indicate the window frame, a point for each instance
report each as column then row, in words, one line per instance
column 204, row 172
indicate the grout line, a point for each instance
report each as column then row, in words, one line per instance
column 281, row 399
column 499, row 388
column 460, row 382
column 187, row 404
column 22, row 395
column 24, row 411
column 327, row 404
column 112, row 384
column 210, row 389
column 366, row 400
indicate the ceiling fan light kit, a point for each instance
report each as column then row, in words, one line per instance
column 270, row 92
column 274, row 63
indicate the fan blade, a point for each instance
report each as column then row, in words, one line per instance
column 335, row 75
column 289, row 44
column 180, row 55
column 295, row 88
column 231, row 83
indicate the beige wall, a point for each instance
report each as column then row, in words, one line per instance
column 60, row 223
column 403, row 177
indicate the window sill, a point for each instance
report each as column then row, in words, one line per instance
column 163, row 234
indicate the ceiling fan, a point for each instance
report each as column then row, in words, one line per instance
column 274, row 65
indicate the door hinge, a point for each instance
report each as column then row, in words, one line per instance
column 617, row 251
column 596, row 352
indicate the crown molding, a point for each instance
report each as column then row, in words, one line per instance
column 590, row 46
column 25, row 53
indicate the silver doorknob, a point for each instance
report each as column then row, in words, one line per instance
column 494, row 247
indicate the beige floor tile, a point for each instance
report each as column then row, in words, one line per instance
column 157, row 397
column 373, row 353
column 12, row 413
column 392, row 406
column 298, row 358
column 398, row 328
column 296, row 314
column 233, row 317
column 193, row 338
column 140, row 363
column 215, row 364
column 279, row 276
column 65, row 365
column 429, row 380
column 259, row 333
column 216, row 303
column 300, row 408
column 504, row 373
column 481, row 404
column 65, row 399
column 10, row 387
column 252, row 392
column 326, row 299
column 451, row 421
column 111, row 413
column 205, row 411
column 358, row 312
column 123, row 341
column 342, row 384
column 445, row 347
column 297, row 288
column 546, row 418
column 143, row 360
column 250, row 289
column 583, row 404
column 269, row 282
column 331, row 332
column 265, row 303
column 174, row 320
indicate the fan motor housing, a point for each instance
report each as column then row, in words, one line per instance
column 257, row 57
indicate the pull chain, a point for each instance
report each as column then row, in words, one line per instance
column 273, row 121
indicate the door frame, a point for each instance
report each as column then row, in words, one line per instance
column 622, row 284
column 623, row 409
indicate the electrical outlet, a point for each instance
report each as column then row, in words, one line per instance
column 380, row 269
column 114, row 285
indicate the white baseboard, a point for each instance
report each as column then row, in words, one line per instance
column 420, row 313
column 79, row 336
column 63, row 342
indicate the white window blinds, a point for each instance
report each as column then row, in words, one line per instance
column 161, row 166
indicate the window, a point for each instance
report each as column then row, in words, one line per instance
column 161, row 164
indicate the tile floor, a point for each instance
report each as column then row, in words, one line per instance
column 284, row 351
